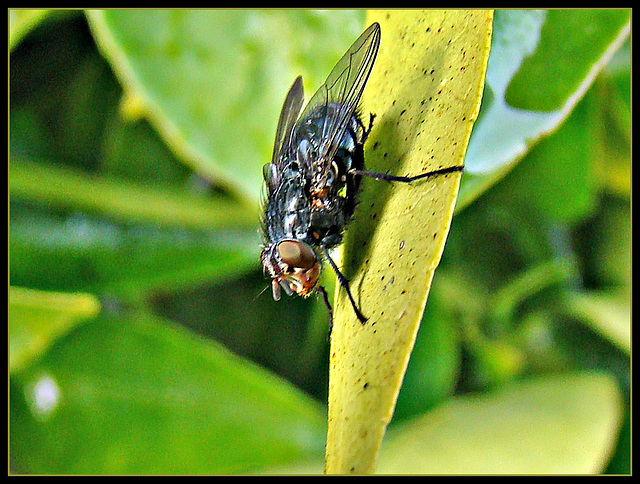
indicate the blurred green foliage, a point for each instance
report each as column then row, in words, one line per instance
column 156, row 216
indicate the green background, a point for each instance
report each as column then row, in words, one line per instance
column 136, row 145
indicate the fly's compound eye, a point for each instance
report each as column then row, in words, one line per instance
column 297, row 254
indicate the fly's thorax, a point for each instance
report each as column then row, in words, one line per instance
column 287, row 212
column 312, row 145
column 293, row 266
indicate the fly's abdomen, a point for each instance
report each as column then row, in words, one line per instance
column 331, row 187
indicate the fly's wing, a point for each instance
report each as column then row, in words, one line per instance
column 288, row 116
column 343, row 89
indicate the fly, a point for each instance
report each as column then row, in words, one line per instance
column 315, row 172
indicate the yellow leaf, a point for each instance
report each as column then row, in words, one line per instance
column 425, row 90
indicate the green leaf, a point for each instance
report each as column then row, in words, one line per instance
column 37, row 319
column 607, row 312
column 564, row 424
column 612, row 125
column 434, row 367
column 21, row 22
column 557, row 176
column 140, row 396
column 213, row 81
column 78, row 252
column 63, row 187
column 538, row 70
column 613, row 236
column 572, row 42
column 425, row 109
column 62, row 119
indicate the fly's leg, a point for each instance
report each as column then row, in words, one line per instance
column 378, row 176
column 325, row 298
column 394, row 178
column 344, row 283
column 406, row 179
column 366, row 131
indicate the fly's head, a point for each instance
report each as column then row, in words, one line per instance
column 293, row 266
